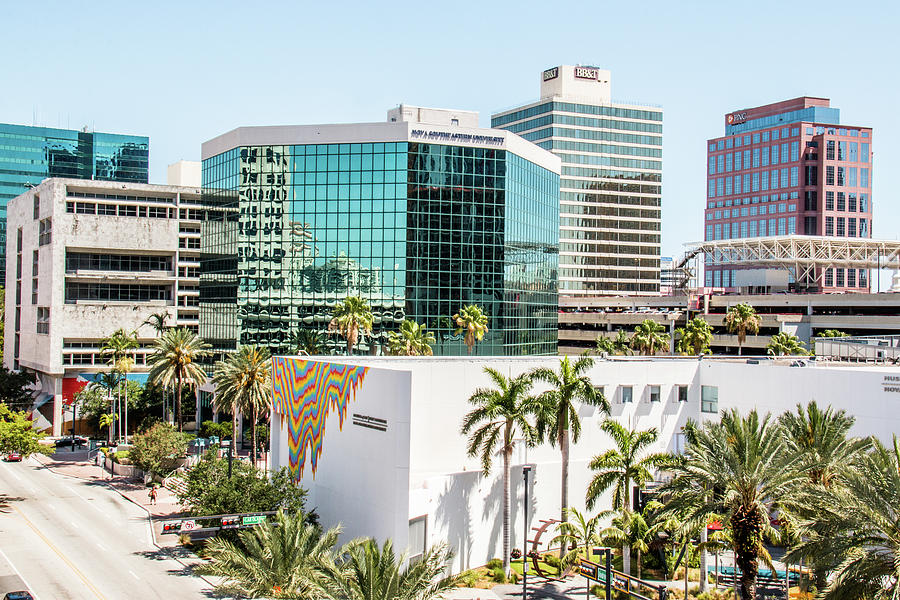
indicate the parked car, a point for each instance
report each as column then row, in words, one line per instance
column 67, row 442
column 20, row 595
column 13, row 457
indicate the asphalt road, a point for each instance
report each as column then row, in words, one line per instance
column 68, row 539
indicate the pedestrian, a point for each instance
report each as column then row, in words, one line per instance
column 153, row 494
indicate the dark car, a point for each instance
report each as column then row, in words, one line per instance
column 68, row 441
column 13, row 457
column 21, row 595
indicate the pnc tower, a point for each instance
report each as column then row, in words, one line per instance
column 788, row 168
column 611, row 181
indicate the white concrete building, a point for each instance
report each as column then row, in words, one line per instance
column 611, row 183
column 392, row 462
column 185, row 173
column 85, row 258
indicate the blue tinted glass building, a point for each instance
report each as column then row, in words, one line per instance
column 28, row 155
column 419, row 219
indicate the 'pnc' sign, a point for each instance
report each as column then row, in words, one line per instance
column 736, row 118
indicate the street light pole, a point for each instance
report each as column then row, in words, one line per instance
column 525, row 471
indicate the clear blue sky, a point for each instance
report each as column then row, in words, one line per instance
column 184, row 72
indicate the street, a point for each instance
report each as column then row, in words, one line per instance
column 69, row 539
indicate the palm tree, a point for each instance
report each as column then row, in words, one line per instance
column 604, row 345
column 157, row 321
column 286, row 558
column 472, row 321
column 175, row 360
column 742, row 319
column 579, row 533
column 785, row 344
column 413, row 339
column 558, row 414
column 618, row 468
column 242, row 382
column 649, row 337
column 116, row 348
column 308, row 342
column 857, row 526
column 639, row 529
column 736, row 468
column 501, row 414
column 107, row 420
column 371, row 572
column 696, row 337
column 621, row 343
column 352, row 318
column 832, row 333
column 826, row 451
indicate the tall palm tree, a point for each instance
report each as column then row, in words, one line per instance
column 472, row 322
column 649, row 337
column 107, row 382
column 857, row 526
column 308, row 342
column 108, row 420
column 242, row 382
column 501, row 415
column 621, row 343
column 371, row 572
column 826, row 451
column 696, row 336
column 742, row 319
column 352, row 318
column 736, row 468
column 116, row 348
column 413, row 339
column 175, row 360
column 621, row 466
column 286, row 558
column 558, row 418
column 785, row 344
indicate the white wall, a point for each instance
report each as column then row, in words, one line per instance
column 463, row 507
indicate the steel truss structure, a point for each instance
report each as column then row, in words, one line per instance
column 805, row 256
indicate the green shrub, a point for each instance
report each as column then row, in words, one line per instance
column 494, row 563
column 552, row 560
column 498, row 575
column 513, row 577
column 469, row 578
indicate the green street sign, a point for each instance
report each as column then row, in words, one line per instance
column 253, row 520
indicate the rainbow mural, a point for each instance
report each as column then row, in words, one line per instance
column 303, row 393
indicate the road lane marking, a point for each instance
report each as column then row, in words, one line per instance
column 133, row 575
column 59, row 553
column 101, row 546
column 19, row 573
column 14, row 474
column 75, row 525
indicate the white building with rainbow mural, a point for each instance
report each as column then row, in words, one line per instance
column 376, row 440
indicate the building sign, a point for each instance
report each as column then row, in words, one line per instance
column 735, row 118
column 456, row 138
column 587, row 73
column 891, row 384
column 551, row 73
column 369, row 422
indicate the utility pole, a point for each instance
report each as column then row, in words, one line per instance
column 525, row 471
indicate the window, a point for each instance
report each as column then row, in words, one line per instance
column 737, row 184
column 128, row 211
column 85, row 208
column 765, row 181
column 854, row 152
column 842, row 151
column 37, row 207
column 792, row 225
column 864, row 178
column 863, row 278
column 841, row 201
column 795, row 176
column 840, row 175
column 811, row 200
column 116, row 292
column 829, row 150
column 755, row 157
column 627, row 394
column 728, row 162
column 839, row 277
column 829, row 175
column 841, row 227
column 795, row 151
column 654, row 393
column 762, row 227
column 418, row 527
column 43, row 320
column 851, row 202
column 851, row 227
column 709, row 399
column 107, row 209
column 765, row 156
column 829, row 277
column 682, row 393
column 851, row 277
column 737, row 161
column 720, row 161
column 863, row 203
column 45, row 227
column 712, row 165
column 34, row 290
column 829, row 200
column 711, row 193
column 864, row 153
column 782, row 226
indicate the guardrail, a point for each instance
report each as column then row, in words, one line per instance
column 610, row 579
column 863, row 348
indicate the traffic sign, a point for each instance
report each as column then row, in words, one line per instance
column 189, row 525
column 253, row 520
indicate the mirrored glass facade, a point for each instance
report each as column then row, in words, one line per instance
column 28, row 155
column 417, row 229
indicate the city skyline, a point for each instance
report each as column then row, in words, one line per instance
column 469, row 63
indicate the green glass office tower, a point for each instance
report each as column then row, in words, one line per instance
column 28, row 155
column 419, row 220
